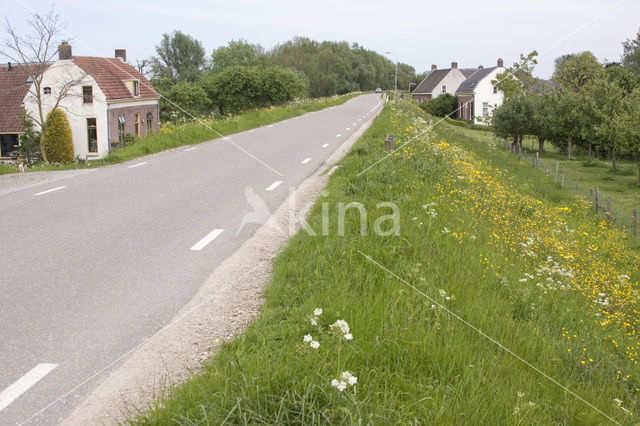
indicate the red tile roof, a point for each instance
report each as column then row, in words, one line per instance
column 109, row 73
column 13, row 89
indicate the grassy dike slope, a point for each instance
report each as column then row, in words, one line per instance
column 481, row 239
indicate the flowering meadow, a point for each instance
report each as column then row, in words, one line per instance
column 503, row 300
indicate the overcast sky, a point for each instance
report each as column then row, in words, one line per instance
column 421, row 33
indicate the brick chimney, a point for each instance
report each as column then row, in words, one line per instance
column 121, row 54
column 64, row 51
column 500, row 62
column 454, row 65
column 434, row 67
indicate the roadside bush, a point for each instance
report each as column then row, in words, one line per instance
column 240, row 88
column 30, row 143
column 441, row 106
column 58, row 141
column 188, row 95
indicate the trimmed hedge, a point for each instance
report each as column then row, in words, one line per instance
column 58, row 141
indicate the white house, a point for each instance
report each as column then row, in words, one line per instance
column 438, row 82
column 108, row 100
column 478, row 96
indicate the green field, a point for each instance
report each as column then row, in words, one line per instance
column 620, row 185
column 189, row 133
column 502, row 299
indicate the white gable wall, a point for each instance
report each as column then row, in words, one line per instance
column 483, row 92
column 452, row 80
column 77, row 112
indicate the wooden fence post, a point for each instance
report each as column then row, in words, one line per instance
column 609, row 204
column 635, row 222
column 555, row 177
column 597, row 198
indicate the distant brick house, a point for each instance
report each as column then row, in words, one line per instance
column 478, row 96
column 438, row 82
column 112, row 100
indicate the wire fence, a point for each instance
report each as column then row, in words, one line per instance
column 624, row 219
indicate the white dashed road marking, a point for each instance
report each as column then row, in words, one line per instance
column 50, row 190
column 306, row 160
column 137, row 165
column 274, row 185
column 206, row 240
column 23, row 384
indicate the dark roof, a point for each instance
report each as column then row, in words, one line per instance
column 109, row 73
column 472, row 81
column 431, row 81
column 468, row 71
column 13, row 89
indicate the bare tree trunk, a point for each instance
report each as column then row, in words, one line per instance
column 590, row 148
column 569, row 147
column 43, row 124
column 540, row 144
column 613, row 157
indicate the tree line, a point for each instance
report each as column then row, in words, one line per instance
column 241, row 75
column 587, row 107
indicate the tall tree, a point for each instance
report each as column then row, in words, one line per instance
column 34, row 52
column 631, row 54
column 574, row 70
column 180, row 57
column 514, row 119
column 237, row 52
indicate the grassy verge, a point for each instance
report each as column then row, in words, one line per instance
column 173, row 136
column 620, row 185
column 480, row 239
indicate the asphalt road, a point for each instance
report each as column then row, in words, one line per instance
column 94, row 264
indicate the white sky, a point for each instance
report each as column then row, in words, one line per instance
column 420, row 32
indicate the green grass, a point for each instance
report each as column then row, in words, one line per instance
column 415, row 361
column 174, row 136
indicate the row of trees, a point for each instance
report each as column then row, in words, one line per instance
column 587, row 106
column 253, row 77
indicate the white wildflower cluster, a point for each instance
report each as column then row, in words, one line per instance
column 445, row 296
column 316, row 313
column 314, row 344
column 602, row 299
column 430, row 210
column 343, row 327
column 309, row 339
column 346, row 379
column 445, row 230
column 553, row 276
column 526, row 247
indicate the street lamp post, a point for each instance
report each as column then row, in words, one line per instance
column 395, row 90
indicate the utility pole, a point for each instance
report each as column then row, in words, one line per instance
column 395, row 90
